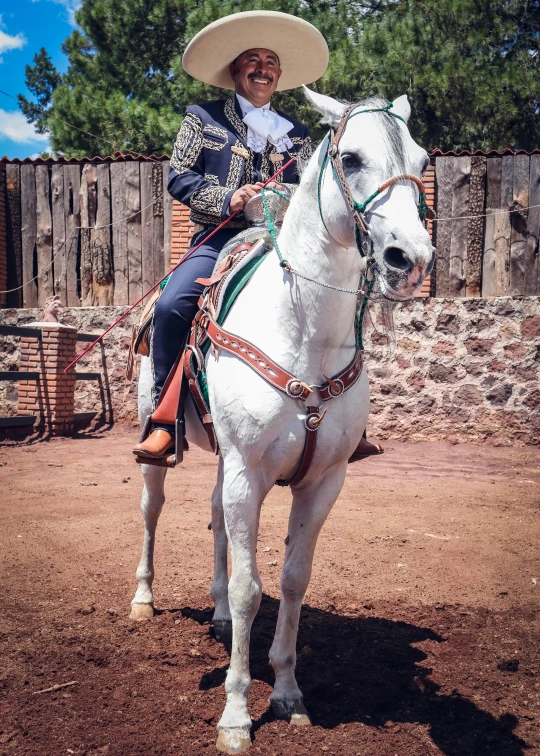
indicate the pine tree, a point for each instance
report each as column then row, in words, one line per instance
column 469, row 67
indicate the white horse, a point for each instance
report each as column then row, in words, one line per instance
column 308, row 329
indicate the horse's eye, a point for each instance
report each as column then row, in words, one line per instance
column 351, row 162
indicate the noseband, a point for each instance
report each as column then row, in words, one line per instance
column 362, row 232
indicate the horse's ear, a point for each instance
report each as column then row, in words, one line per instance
column 330, row 109
column 401, row 107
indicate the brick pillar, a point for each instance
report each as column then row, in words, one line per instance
column 3, row 238
column 52, row 398
column 182, row 231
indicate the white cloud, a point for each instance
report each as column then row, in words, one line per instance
column 14, row 126
column 7, row 42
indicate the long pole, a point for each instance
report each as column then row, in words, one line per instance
column 183, row 260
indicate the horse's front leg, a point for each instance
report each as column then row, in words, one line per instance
column 153, row 497
column 310, row 508
column 243, row 494
column 220, row 588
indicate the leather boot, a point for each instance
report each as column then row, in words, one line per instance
column 158, row 444
column 365, row 449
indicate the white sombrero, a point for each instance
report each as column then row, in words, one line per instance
column 301, row 48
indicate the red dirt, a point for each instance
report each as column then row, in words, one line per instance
column 419, row 633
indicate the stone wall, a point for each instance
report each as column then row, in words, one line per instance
column 458, row 369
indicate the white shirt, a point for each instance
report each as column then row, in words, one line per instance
column 265, row 125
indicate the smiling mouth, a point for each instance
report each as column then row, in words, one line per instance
column 258, row 80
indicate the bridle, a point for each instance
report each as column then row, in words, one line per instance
column 358, row 209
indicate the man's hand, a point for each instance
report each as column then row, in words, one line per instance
column 245, row 193
column 242, row 195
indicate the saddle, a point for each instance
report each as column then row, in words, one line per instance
column 234, row 268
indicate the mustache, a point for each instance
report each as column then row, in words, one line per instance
column 257, row 75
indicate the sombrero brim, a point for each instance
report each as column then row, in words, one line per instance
column 301, row 48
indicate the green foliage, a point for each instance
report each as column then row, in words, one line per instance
column 469, row 67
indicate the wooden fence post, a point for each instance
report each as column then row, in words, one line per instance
column 133, row 222
column 28, row 234
column 3, row 238
column 518, row 225
column 72, row 185
column 102, row 261
column 44, row 239
column 475, row 230
column 14, row 241
column 58, row 232
column 119, row 233
column 532, row 248
column 88, row 200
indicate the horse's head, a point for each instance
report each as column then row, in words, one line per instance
column 375, row 147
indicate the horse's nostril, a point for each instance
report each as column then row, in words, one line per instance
column 396, row 258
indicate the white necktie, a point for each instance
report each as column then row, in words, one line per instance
column 265, row 125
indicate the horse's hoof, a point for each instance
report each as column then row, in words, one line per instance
column 222, row 630
column 141, row 612
column 293, row 712
column 233, row 740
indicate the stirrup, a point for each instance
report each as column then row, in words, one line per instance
column 170, row 460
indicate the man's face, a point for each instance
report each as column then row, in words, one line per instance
column 256, row 75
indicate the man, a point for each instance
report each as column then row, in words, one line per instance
column 224, row 152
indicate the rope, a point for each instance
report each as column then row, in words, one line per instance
column 486, row 215
column 273, row 233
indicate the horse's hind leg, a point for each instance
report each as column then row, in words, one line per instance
column 153, row 497
column 220, row 588
column 311, row 506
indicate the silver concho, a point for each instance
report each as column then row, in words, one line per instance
column 340, row 387
column 313, row 421
column 294, row 388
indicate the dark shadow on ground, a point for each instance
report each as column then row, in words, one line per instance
column 367, row 669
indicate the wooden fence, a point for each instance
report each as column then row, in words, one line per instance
column 485, row 250
column 127, row 228
column 123, row 244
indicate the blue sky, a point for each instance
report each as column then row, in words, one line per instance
column 25, row 27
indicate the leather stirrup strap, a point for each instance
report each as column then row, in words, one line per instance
column 197, row 396
column 167, row 406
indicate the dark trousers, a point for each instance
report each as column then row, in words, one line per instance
column 177, row 306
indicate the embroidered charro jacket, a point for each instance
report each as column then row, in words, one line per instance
column 211, row 160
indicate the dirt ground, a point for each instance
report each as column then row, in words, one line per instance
column 419, row 634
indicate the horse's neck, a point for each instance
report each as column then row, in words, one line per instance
column 308, row 329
